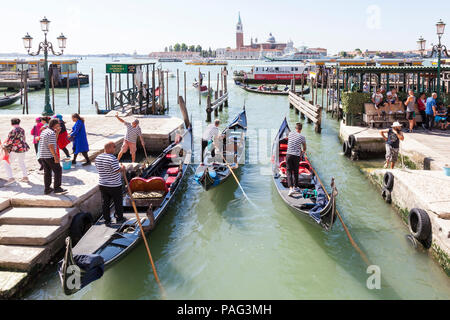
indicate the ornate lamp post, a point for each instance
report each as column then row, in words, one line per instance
column 439, row 49
column 45, row 46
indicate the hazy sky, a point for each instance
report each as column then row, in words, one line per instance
column 145, row 26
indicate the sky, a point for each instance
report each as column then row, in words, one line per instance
column 94, row 27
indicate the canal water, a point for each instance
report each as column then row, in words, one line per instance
column 218, row 245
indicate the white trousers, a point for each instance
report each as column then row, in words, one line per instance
column 15, row 156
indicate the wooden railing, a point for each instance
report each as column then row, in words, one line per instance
column 139, row 100
column 306, row 109
column 216, row 105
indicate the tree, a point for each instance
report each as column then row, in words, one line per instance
column 192, row 48
column 343, row 54
column 177, row 47
column 209, row 52
column 198, row 48
column 184, row 47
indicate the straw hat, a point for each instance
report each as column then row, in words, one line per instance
column 396, row 124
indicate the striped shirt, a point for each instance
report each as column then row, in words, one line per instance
column 295, row 142
column 132, row 133
column 107, row 166
column 210, row 132
column 48, row 136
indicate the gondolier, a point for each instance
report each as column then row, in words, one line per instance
column 110, row 183
column 133, row 132
column 211, row 131
column 293, row 156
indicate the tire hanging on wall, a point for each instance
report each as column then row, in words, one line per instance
column 386, row 194
column 388, row 181
column 419, row 224
column 79, row 226
column 346, row 149
column 351, row 141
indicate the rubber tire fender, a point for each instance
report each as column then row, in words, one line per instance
column 351, row 141
column 419, row 224
column 388, row 181
column 346, row 149
column 81, row 223
column 386, row 194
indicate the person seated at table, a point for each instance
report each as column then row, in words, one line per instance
column 378, row 101
column 392, row 97
column 440, row 117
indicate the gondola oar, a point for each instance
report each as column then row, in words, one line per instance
column 353, row 243
column 163, row 292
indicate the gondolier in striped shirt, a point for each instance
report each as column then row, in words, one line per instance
column 110, row 183
column 49, row 158
column 211, row 131
column 293, row 156
column 133, row 132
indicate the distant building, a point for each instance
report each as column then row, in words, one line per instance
column 174, row 54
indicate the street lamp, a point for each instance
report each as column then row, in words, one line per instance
column 45, row 46
column 439, row 49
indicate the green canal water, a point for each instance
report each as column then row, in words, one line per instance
column 216, row 245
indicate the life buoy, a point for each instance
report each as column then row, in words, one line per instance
column 388, row 181
column 81, row 223
column 419, row 224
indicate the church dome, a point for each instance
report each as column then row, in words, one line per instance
column 271, row 38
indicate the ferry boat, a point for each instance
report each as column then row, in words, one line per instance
column 208, row 62
column 59, row 70
column 280, row 74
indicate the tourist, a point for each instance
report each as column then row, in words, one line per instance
column 421, row 105
column 63, row 141
column 36, row 132
column 293, row 155
column 50, row 158
column 44, row 122
column 394, row 135
column 366, row 88
column 392, row 97
column 133, row 132
column 16, row 146
column 110, row 183
column 410, row 110
column 210, row 133
column 441, row 117
column 79, row 138
column 430, row 110
column 378, row 100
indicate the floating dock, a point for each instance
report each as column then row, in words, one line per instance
column 33, row 226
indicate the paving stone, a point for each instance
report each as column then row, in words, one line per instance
column 31, row 235
column 10, row 283
column 37, row 216
column 22, row 258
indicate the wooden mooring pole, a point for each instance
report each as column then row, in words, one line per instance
column 185, row 87
column 68, row 84
column 178, row 86
column 199, row 87
column 79, row 102
column 92, row 85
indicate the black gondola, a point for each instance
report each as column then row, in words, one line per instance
column 268, row 91
column 214, row 170
column 153, row 191
column 312, row 201
column 7, row 100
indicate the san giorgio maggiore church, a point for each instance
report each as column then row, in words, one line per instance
column 255, row 50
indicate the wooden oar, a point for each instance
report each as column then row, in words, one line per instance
column 353, row 243
column 163, row 292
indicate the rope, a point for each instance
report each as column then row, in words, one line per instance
column 163, row 293
column 353, row 243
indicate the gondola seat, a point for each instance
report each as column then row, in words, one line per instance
column 170, row 180
column 283, row 147
column 138, row 184
column 173, row 171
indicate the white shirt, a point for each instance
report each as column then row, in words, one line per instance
column 210, row 131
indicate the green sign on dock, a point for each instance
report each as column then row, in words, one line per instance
column 120, row 68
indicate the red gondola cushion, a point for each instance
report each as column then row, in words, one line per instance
column 170, row 180
column 171, row 156
column 283, row 153
column 283, row 147
column 173, row 171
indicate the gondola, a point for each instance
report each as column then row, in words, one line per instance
column 7, row 100
column 203, row 88
column 152, row 191
column 312, row 201
column 216, row 168
column 269, row 91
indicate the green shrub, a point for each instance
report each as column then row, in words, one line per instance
column 353, row 102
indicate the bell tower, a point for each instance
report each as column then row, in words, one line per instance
column 239, row 34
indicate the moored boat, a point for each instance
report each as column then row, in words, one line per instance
column 208, row 62
column 203, row 88
column 312, row 202
column 279, row 74
column 267, row 90
column 152, row 192
column 7, row 100
column 217, row 165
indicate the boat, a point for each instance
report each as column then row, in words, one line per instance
column 7, row 100
column 203, row 88
column 152, row 190
column 216, row 169
column 279, row 74
column 208, row 62
column 312, row 202
column 169, row 60
column 268, row 90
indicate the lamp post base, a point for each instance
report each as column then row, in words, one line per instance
column 48, row 111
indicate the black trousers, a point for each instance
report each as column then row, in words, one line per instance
column 204, row 145
column 85, row 155
column 292, row 165
column 114, row 194
column 430, row 121
column 424, row 118
column 49, row 167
